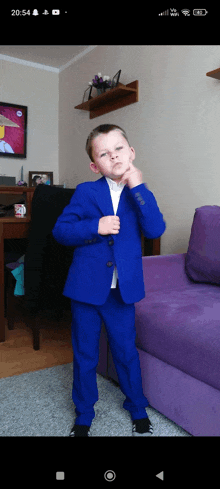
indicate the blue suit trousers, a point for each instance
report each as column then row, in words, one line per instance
column 119, row 320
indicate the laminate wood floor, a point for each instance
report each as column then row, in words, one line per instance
column 17, row 355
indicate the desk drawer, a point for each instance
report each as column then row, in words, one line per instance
column 15, row 230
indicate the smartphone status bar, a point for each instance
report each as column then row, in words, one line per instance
column 35, row 12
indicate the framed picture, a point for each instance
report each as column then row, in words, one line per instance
column 13, row 130
column 115, row 79
column 40, row 177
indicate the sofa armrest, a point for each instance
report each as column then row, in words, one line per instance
column 164, row 271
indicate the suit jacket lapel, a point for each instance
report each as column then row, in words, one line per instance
column 103, row 197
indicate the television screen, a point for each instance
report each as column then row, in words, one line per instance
column 13, row 130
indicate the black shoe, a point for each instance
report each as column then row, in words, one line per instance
column 80, row 430
column 142, row 427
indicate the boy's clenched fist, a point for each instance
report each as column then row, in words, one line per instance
column 109, row 225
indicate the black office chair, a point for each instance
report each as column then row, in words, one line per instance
column 46, row 262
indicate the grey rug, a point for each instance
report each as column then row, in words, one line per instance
column 40, row 404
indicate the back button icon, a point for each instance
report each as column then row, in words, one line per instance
column 160, row 476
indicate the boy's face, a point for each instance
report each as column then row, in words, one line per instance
column 111, row 154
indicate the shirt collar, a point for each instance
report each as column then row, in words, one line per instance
column 114, row 185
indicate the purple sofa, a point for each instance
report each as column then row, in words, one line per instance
column 178, row 330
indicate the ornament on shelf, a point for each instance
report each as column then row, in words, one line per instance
column 21, row 182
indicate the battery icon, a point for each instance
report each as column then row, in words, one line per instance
column 199, row 12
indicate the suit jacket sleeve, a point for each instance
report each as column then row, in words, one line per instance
column 73, row 227
column 150, row 218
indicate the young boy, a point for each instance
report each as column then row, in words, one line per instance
column 103, row 221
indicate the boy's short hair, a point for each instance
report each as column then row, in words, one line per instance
column 102, row 129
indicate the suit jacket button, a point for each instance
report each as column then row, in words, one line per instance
column 111, row 242
column 109, row 264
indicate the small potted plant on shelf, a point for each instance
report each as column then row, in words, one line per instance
column 101, row 83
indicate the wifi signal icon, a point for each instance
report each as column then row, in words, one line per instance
column 185, row 12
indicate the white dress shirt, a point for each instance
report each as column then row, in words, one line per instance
column 115, row 191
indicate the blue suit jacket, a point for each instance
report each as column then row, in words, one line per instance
column 90, row 274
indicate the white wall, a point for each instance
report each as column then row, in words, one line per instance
column 174, row 128
column 39, row 90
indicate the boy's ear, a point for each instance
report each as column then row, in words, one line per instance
column 132, row 153
column 93, row 167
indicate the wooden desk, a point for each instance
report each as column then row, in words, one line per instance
column 150, row 246
column 28, row 192
column 12, row 227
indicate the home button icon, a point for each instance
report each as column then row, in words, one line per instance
column 109, row 475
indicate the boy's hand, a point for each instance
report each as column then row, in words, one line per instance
column 132, row 177
column 109, row 225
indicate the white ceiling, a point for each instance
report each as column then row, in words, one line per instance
column 51, row 56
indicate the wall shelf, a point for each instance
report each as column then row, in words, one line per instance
column 112, row 99
column 214, row 74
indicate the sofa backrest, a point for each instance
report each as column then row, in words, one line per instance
column 165, row 271
column 203, row 254
column 199, row 266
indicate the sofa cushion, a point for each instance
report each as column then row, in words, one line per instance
column 202, row 263
column 182, row 328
